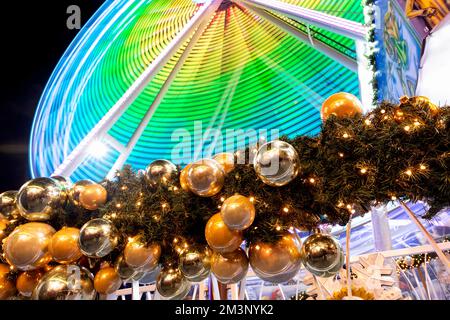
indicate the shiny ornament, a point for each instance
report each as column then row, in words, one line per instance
column 151, row 276
column 206, row 178
column 160, row 172
column 7, row 287
column 124, row 271
column 277, row 163
column 38, row 199
column 322, row 255
column 107, row 281
column 226, row 160
column 68, row 282
column 27, row 281
column 137, row 255
column 8, row 205
column 219, row 237
column 76, row 189
column 231, row 267
column 3, row 225
column 195, row 263
column 341, row 105
column 183, row 178
column 64, row 246
column 98, row 238
column 238, row 212
column 93, row 196
column 172, row 285
column 278, row 262
column 26, row 248
column 426, row 103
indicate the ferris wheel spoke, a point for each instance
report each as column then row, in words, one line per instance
column 348, row 28
column 77, row 156
column 330, row 52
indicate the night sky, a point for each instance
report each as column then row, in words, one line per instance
column 34, row 36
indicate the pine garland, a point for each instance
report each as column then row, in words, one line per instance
column 394, row 152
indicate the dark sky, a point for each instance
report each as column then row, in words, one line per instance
column 33, row 37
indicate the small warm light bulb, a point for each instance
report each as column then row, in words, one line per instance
column 119, row 205
column 423, row 167
column 340, row 204
column 408, row 172
column 349, row 207
column 363, row 170
column 278, row 228
column 286, row 210
column 257, row 247
column 407, row 128
column 341, row 154
column 114, row 216
column 368, row 122
column 222, row 199
column 175, row 240
column 383, row 111
column 345, row 135
column 252, row 199
column 393, row 198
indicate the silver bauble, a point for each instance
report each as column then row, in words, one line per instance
column 98, row 238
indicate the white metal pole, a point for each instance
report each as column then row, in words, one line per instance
column 76, row 157
column 348, row 28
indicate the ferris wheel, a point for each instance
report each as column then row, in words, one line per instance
column 144, row 78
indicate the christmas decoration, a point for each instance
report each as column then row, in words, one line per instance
column 277, row 163
column 160, row 171
column 205, row 178
column 219, row 237
column 39, row 199
column 63, row 246
column 124, row 271
column 278, row 262
column 7, row 287
column 172, row 285
column 230, row 267
column 8, row 206
column 183, row 178
column 27, row 281
column 226, row 160
column 92, row 196
column 357, row 294
column 341, row 104
column 107, row 281
column 3, row 225
column 63, row 181
column 139, row 256
column 195, row 263
column 76, row 189
column 65, row 282
column 26, row 248
column 322, row 255
column 238, row 212
column 98, row 238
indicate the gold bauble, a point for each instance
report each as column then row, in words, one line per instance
column 238, row 212
column 27, row 281
column 195, row 263
column 38, row 199
column 137, row 255
column 8, row 205
column 219, row 237
column 426, row 103
column 7, row 287
column 93, row 196
column 26, row 248
column 276, row 163
column 226, row 160
column 64, row 246
column 124, row 271
column 107, row 281
column 206, row 178
column 183, row 178
column 322, row 255
column 3, row 225
column 65, row 282
column 231, row 267
column 76, row 189
column 160, row 172
column 98, row 238
column 341, row 105
column 172, row 285
column 276, row 262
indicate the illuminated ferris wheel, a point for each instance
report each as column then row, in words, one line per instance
column 142, row 73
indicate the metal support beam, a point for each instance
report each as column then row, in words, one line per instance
column 162, row 92
column 348, row 28
column 77, row 156
column 318, row 45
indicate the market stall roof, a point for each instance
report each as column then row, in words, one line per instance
column 194, row 66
